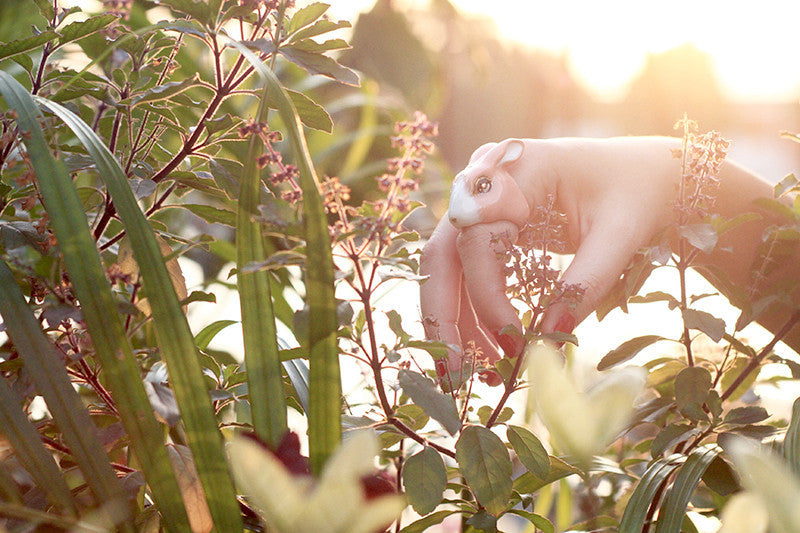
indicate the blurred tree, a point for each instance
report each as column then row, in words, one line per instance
column 680, row 80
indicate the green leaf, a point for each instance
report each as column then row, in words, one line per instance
column 791, row 444
column 306, row 16
column 721, row 478
column 320, row 64
column 197, row 10
column 211, row 214
column 655, row 296
column 539, row 521
column 670, row 436
column 423, row 392
column 707, row 323
column 530, row 451
column 320, row 27
column 673, row 509
column 175, row 341
column 646, row 490
column 161, row 92
column 27, row 44
column 79, row 30
column 324, row 414
column 265, row 384
column 789, row 183
column 207, row 334
column 627, row 351
column 486, row 466
column 424, row 480
column 739, row 365
column 691, row 386
column 749, row 414
column 25, row 440
column 311, row 113
column 424, row 523
column 528, row 483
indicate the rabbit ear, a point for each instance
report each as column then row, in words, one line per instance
column 513, row 151
column 481, row 151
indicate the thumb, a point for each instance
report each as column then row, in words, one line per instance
column 485, row 280
column 599, row 261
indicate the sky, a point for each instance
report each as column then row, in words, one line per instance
column 754, row 45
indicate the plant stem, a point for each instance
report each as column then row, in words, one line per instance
column 510, row 386
column 755, row 362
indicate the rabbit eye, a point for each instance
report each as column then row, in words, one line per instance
column 482, row 185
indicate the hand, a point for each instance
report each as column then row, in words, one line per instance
column 617, row 194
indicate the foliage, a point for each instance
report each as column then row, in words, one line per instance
column 163, row 147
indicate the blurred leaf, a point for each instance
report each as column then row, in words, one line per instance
column 27, row 44
column 485, row 464
column 671, row 515
column 27, row 443
column 211, row 214
column 530, row 451
column 423, row 392
column 707, row 323
column 192, row 491
column 788, row 183
column 483, row 521
column 791, row 444
column 627, row 351
column 656, row 475
column 739, row 365
column 424, row 480
column 320, row 27
column 656, row 296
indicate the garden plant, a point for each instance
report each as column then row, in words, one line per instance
column 225, row 132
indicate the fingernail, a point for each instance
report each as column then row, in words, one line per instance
column 441, row 368
column 508, row 344
column 565, row 324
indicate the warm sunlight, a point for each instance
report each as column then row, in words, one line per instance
column 753, row 49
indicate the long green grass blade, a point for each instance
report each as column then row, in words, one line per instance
column 262, row 360
column 672, row 512
column 642, row 498
column 791, row 444
column 324, row 409
column 30, row 451
column 172, row 330
column 86, row 273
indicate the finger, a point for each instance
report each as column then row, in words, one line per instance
column 478, row 247
column 440, row 293
column 470, row 329
column 599, row 261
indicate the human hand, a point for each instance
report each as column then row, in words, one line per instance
column 616, row 193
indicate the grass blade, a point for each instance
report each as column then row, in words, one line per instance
column 645, row 491
column 672, row 512
column 86, row 273
column 31, row 452
column 262, row 360
column 324, row 409
column 174, row 335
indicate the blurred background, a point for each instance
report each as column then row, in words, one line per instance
column 533, row 68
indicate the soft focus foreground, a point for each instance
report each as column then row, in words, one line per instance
column 229, row 134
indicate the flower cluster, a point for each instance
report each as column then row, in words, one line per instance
column 702, row 156
column 284, row 173
column 528, row 262
column 379, row 219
